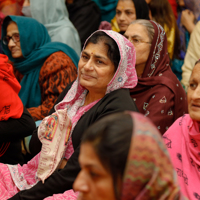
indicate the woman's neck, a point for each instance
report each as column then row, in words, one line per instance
column 91, row 97
column 140, row 69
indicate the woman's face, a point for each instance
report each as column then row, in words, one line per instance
column 125, row 14
column 138, row 36
column 95, row 68
column 193, row 94
column 14, row 47
column 93, row 181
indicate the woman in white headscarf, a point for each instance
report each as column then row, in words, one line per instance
column 54, row 16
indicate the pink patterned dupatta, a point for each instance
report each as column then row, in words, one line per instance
column 24, row 177
column 183, row 142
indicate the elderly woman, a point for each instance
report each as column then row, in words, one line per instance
column 183, row 146
column 106, row 73
column 123, row 157
column 43, row 68
column 158, row 95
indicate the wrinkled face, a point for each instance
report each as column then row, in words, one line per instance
column 95, row 68
column 193, row 94
column 138, row 36
column 93, row 181
column 125, row 14
column 14, row 47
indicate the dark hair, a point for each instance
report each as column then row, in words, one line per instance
column 162, row 13
column 113, row 50
column 110, row 138
column 7, row 21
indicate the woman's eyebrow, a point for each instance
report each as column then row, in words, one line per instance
column 7, row 34
column 95, row 55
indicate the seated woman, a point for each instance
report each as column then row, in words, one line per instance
column 43, row 68
column 183, row 146
column 128, row 11
column 122, row 156
column 15, row 121
column 158, row 95
column 106, row 72
column 54, row 16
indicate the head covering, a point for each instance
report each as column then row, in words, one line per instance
column 149, row 173
column 124, row 77
column 107, row 8
column 36, row 47
column 142, row 9
column 158, row 73
column 183, row 142
column 10, row 105
column 54, row 16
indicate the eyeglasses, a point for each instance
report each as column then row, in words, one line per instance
column 15, row 38
column 137, row 42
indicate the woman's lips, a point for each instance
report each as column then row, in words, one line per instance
column 85, row 76
column 195, row 106
column 122, row 25
column 14, row 50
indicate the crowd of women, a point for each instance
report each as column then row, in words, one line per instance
column 119, row 119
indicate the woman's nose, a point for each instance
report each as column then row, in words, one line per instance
column 80, row 184
column 122, row 16
column 11, row 43
column 89, row 65
column 196, row 94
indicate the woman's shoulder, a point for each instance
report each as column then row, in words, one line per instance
column 119, row 99
column 56, row 62
column 180, row 123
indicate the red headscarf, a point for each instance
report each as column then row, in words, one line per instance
column 159, row 95
column 10, row 105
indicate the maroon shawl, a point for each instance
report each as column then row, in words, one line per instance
column 159, row 95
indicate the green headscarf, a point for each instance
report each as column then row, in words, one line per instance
column 36, row 47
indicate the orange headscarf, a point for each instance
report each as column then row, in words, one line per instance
column 10, row 105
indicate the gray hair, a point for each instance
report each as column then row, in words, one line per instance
column 148, row 25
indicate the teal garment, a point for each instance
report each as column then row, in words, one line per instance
column 36, row 47
column 54, row 16
column 176, row 65
column 108, row 9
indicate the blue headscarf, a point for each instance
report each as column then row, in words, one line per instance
column 36, row 47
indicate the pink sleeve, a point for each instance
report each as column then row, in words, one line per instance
column 68, row 195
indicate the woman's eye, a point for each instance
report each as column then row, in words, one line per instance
column 99, row 62
column 93, row 174
column 193, row 85
column 129, row 13
column 84, row 57
column 118, row 12
column 136, row 40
